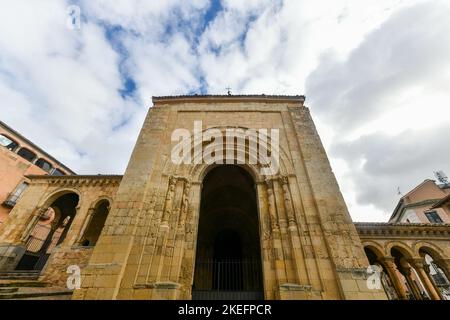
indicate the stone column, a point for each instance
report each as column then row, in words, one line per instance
column 299, row 263
column 169, row 202
column 419, row 266
column 389, row 265
column 406, row 272
column 85, row 225
column 277, row 247
column 272, row 209
column 179, row 245
column 39, row 212
column 161, row 242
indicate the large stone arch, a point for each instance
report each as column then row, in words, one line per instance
column 196, row 172
column 377, row 248
column 404, row 249
column 434, row 251
column 100, row 199
column 48, row 199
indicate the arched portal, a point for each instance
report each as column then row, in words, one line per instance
column 96, row 224
column 228, row 255
column 48, row 232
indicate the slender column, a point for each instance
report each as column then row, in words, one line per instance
column 279, row 263
column 299, row 263
column 169, row 202
column 39, row 212
column 406, row 272
column 86, row 223
column 272, row 210
column 161, row 230
column 426, row 267
column 288, row 203
column 389, row 265
column 419, row 265
column 179, row 241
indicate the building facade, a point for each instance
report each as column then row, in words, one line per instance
column 20, row 157
column 179, row 225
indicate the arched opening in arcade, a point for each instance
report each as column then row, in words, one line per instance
column 95, row 224
column 49, row 231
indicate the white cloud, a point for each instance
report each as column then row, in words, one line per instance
column 371, row 70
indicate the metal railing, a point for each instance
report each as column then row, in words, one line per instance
column 11, row 200
column 228, row 279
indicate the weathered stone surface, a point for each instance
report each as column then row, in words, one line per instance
column 310, row 248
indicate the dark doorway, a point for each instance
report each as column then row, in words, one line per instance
column 228, row 255
column 48, row 232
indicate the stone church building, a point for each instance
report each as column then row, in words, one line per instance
column 196, row 229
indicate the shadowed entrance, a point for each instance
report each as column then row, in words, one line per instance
column 49, row 231
column 228, row 256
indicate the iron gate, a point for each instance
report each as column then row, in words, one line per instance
column 37, row 249
column 228, row 279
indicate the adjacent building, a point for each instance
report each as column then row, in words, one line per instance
column 429, row 202
column 19, row 157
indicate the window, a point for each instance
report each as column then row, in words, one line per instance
column 58, row 172
column 433, row 217
column 8, row 143
column 27, row 154
column 13, row 197
column 44, row 165
column 410, row 217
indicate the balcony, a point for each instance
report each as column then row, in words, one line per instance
column 10, row 201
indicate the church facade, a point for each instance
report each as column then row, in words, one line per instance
column 186, row 222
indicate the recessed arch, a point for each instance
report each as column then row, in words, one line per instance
column 100, row 199
column 51, row 197
column 96, row 222
column 228, row 211
column 376, row 248
column 401, row 247
column 433, row 250
column 196, row 172
column 46, row 235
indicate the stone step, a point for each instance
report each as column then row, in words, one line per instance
column 16, row 274
column 22, row 283
column 8, row 290
column 37, row 293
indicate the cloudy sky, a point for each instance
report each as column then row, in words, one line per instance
column 376, row 74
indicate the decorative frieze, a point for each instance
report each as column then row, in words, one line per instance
column 399, row 230
column 77, row 180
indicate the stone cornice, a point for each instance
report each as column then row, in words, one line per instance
column 402, row 230
column 300, row 99
column 76, row 180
